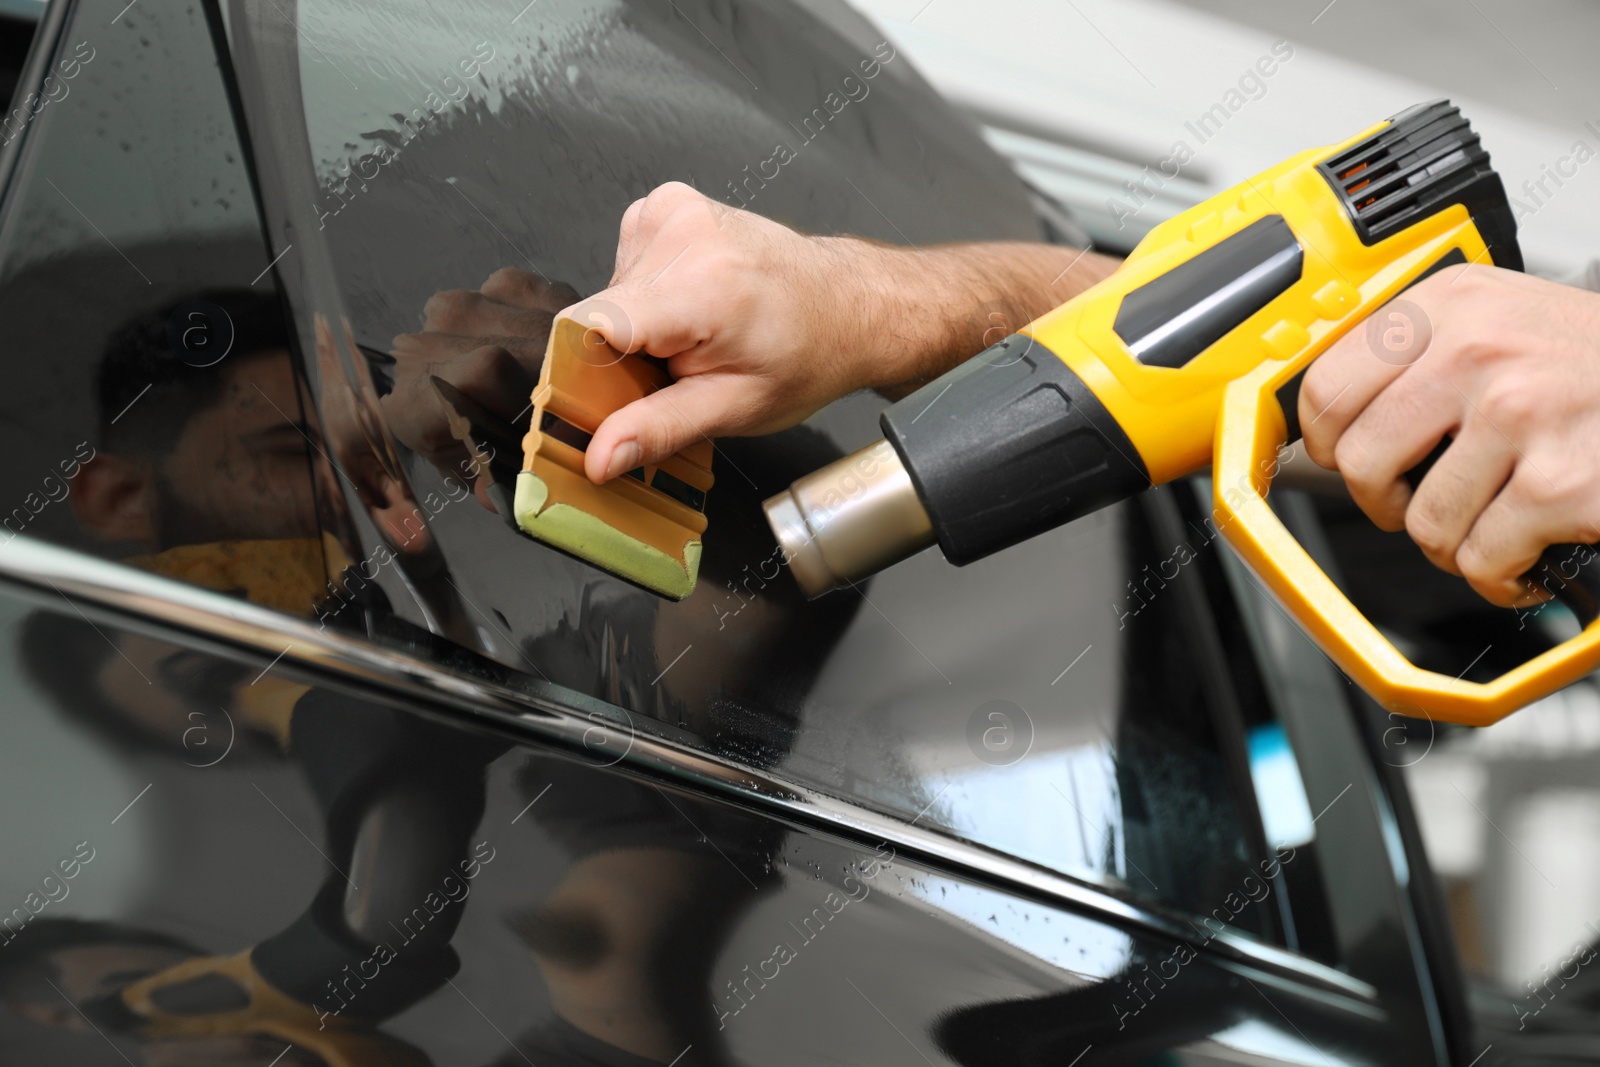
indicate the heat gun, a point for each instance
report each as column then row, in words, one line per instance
column 1189, row 356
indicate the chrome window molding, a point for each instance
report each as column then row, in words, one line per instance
column 46, row 575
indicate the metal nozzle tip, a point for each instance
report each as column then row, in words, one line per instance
column 849, row 520
column 799, row 545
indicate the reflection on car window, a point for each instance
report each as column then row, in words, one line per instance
column 331, row 863
column 152, row 411
column 255, row 871
column 472, row 166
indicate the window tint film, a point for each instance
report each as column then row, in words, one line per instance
column 1059, row 702
column 1044, row 703
column 151, row 412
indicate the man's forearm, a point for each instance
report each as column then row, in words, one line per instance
column 932, row 308
column 761, row 326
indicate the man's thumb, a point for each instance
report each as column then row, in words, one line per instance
column 657, row 426
column 607, row 320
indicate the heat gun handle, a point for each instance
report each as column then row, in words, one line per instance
column 1568, row 572
column 1581, row 591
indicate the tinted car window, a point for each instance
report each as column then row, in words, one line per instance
column 1051, row 703
column 1060, row 703
column 151, row 411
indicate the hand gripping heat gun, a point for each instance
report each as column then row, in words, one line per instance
column 1191, row 355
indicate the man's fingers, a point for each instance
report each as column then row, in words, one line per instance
column 432, row 348
column 1354, row 370
column 641, row 224
column 1395, row 432
column 634, row 317
column 660, row 228
column 628, row 244
column 667, row 203
column 1455, row 492
column 649, row 430
column 467, row 313
column 1508, row 538
column 528, row 291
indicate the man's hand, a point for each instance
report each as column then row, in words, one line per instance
column 487, row 343
column 1506, row 365
column 762, row 326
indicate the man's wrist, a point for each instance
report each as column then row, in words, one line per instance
column 864, row 324
column 940, row 306
column 910, row 314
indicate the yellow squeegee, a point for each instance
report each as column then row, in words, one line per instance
column 644, row 526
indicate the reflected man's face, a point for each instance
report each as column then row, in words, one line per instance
column 194, row 703
column 240, row 470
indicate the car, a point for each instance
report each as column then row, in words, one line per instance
column 311, row 757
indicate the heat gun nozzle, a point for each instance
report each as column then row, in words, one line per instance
column 849, row 520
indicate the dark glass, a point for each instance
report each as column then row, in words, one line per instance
column 1089, row 702
column 1013, row 703
column 152, row 412
column 416, row 890
column 1052, row 703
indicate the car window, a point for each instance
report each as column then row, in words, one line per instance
column 151, row 412
column 1064, row 702
column 17, row 24
column 1049, row 703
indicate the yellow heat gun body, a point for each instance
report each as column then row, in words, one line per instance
column 1189, row 356
column 1271, row 269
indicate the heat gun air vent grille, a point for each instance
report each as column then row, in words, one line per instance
column 1426, row 159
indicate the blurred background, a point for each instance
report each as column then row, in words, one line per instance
column 1085, row 94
